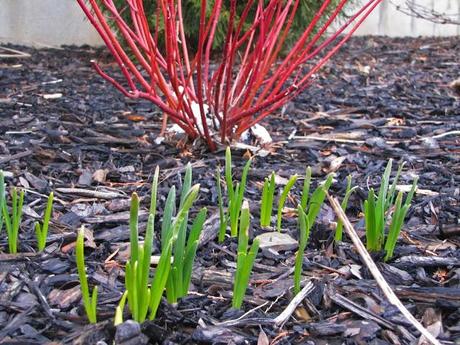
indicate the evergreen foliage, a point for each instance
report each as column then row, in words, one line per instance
column 191, row 15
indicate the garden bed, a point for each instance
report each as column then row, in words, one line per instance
column 65, row 129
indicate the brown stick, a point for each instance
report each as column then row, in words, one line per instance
column 282, row 318
column 384, row 286
column 13, row 53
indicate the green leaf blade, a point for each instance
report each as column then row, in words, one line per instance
column 282, row 200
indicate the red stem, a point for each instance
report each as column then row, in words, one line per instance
column 247, row 83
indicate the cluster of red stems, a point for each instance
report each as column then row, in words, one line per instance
column 219, row 97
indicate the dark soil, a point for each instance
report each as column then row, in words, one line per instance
column 379, row 98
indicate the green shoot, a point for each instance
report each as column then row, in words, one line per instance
column 228, row 173
column 245, row 258
column 222, row 214
column 140, row 297
column 307, row 211
column 137, row 274
column 380, row 206
column 168, row 215
column 89, row 303
column 133, row 227
column 236, row 202
column 138, row 267
column 283, row 198
column 191, row 248
column 235, row 194
column 144, row 253
column 2, row 197
column 397, row 220
column 372, row 233
column 304, row 233
column 174, row 286
column 41, row 230
column 184, row 248
column 348, row 192
column 266, row 206
column 118, row 319
column 311, row 205
column 391, row 193
column 316, row 200
column 13, row 221
column 178, row 280
column 306, row 189
column 160, row 279
column 137, row 271
column 377, row 209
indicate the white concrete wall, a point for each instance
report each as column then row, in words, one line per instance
column 45, row 23
column 58, row 22
column 386, row 20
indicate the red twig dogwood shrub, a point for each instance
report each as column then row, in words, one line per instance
column 219, row 96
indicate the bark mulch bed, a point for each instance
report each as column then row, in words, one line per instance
column 64, row 129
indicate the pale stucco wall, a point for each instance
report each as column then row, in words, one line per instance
column 58, row 22
column 45, row 23
column 386, row 20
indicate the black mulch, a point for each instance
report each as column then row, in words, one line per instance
column 64, row 127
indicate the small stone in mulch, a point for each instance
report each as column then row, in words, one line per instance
column 277, row 241
column 129, row 333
